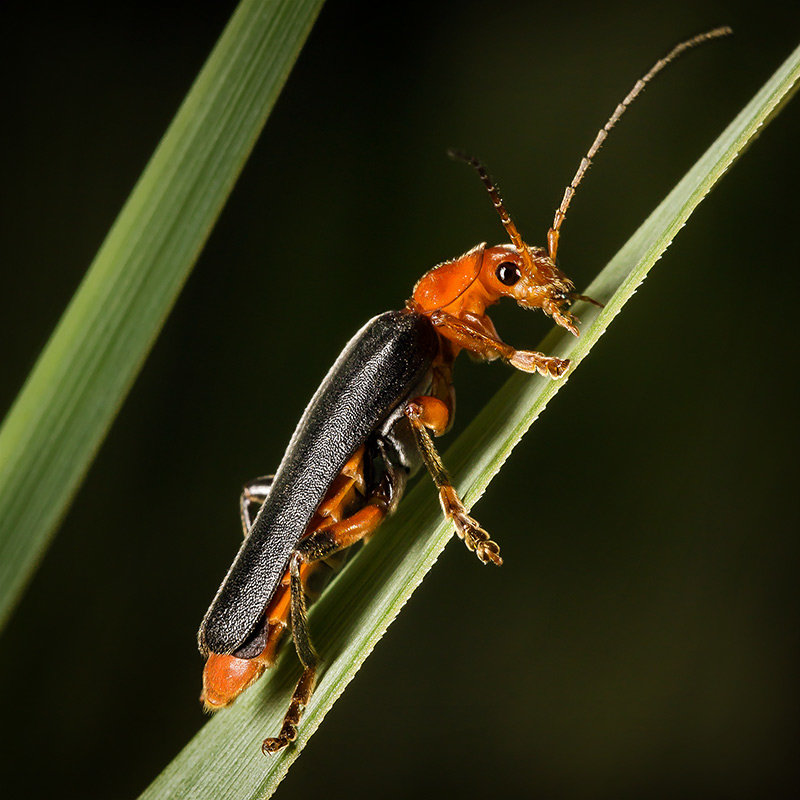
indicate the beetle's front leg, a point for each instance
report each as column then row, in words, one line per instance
column 430, row 413
column 487, row 347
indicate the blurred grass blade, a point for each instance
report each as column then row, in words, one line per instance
column 60, row 417
column 224, row 759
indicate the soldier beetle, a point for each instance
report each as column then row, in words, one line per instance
column 368, row 428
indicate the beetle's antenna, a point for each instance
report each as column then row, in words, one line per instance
column 553, row 233
column 497, row 202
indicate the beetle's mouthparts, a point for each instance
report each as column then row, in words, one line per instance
column 565, row 320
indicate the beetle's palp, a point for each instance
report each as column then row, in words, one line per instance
column 586, row 161
column 575, row 296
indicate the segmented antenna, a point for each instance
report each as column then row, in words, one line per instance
column 553, row 233
column 497, row 202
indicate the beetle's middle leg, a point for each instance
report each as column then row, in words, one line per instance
column 430, row 413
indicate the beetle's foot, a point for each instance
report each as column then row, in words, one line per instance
column 489, row 551
column 275, row 744
column 288, row 734
column 477, row 539
column 531, row 361
column 468, row 529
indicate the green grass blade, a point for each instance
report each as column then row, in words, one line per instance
column 224, row 759
column 69, row 401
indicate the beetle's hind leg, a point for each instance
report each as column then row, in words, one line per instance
column 308, row 658
column 320, row 544
column 253, row 495
column 430, row 413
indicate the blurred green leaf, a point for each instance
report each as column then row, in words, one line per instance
column 224, row 759
column 71, row 397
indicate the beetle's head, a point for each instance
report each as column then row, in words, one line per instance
column 527, row 274
column 532, row 279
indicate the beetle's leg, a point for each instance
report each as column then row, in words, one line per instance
column 315, row 547
column 426, row 413
column 488, row 347
column 324, row 543
column 384, row 495
column 253, row 495
column 307, row 656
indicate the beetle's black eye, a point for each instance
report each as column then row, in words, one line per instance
column 508, row 273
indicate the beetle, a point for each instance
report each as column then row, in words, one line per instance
column 368, row 428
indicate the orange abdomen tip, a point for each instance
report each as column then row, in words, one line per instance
column 226, row 677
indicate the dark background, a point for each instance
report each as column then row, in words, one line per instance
column 642, row 643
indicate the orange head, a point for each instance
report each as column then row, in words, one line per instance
column 484, row 275
column 531, row 278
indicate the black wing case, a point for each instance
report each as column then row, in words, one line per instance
column 378, row 369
